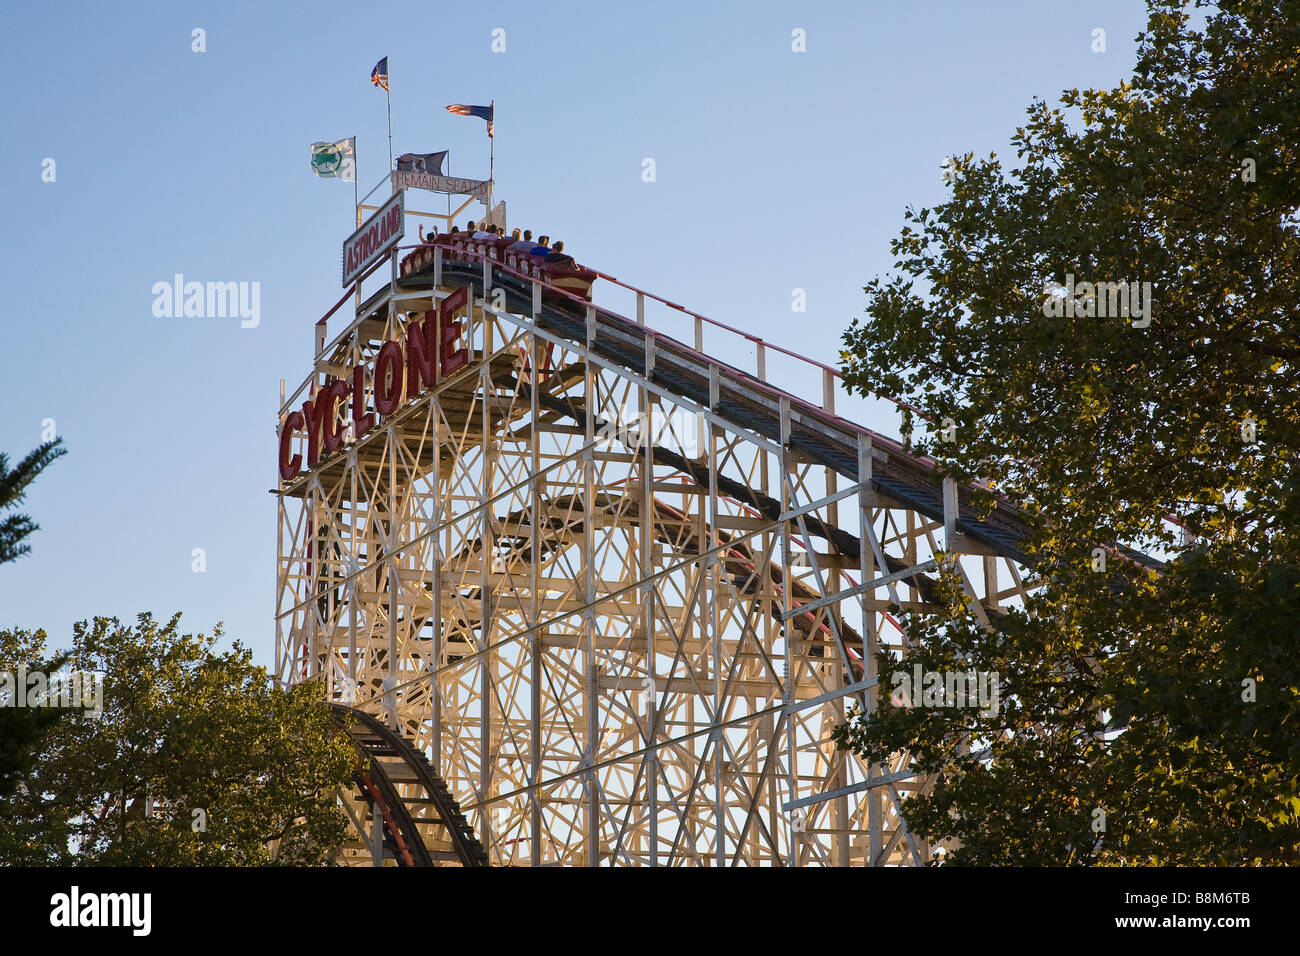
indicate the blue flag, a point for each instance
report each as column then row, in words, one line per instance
column 379, row 75
column 482, row 112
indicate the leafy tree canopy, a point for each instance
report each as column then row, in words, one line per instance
column 197, row 759
column 1145, row 717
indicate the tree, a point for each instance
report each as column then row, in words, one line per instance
column 21, row 727
column 13, row 489
column 197, row 759
column 1147, row 714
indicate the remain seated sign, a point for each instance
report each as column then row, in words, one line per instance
column 410, row 179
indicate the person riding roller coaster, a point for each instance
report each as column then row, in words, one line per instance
column 522, row 246
column 557, row 257
column 533, row 259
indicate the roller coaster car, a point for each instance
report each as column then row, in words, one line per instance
column 573, row 279
column 415, row 261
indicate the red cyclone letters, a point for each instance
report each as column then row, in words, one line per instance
column 289, row 467
column 400, row 374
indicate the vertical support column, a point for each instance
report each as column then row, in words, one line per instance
column 870, row 640
column 715, row 643
column 354, row 566
column 771, row 630
column 991, row 581
column 390, row 541
column 703, row 427
column 435, row 545
column 536, row 646
column 790, row 675
column 282, row 565
column 313, row 607
column 353, row 570
column 394, row 583
column 950, row 513
column 395, row 262
column 591, row 693
column 843, row 676
column 435, row 756
column 650, row 763
column 487, row 585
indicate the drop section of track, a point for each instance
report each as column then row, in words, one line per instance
column 423, row 823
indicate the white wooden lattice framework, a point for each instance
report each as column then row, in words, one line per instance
column 540, row 571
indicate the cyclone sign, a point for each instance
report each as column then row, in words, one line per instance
column 376, row 236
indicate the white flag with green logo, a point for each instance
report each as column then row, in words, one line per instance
column 335, row 160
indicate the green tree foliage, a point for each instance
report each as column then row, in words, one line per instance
column 15, row 528
column 20, row 728
column 1146, row 717
column 197, row 759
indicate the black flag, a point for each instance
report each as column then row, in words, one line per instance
column 421, row 162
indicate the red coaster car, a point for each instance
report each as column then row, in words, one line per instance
column 416, row 260
column 566, row 276
column 571, row 278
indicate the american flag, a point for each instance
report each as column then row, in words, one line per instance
column 482, row 112
column 379, row 75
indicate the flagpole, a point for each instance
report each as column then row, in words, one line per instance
column 389, row 97
column 356, row 198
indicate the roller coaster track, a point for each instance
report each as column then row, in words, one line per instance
column 417, row 811
column 747, row 402
column 743, row 400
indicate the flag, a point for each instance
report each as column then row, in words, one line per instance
column 482, row 112
column 379, row 75
column 335, row 160
column 421, row 162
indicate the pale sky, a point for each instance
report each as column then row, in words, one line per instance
column 775, row 170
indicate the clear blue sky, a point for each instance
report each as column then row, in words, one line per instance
column 775, row 170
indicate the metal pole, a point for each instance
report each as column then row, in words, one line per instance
column 389, row 97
